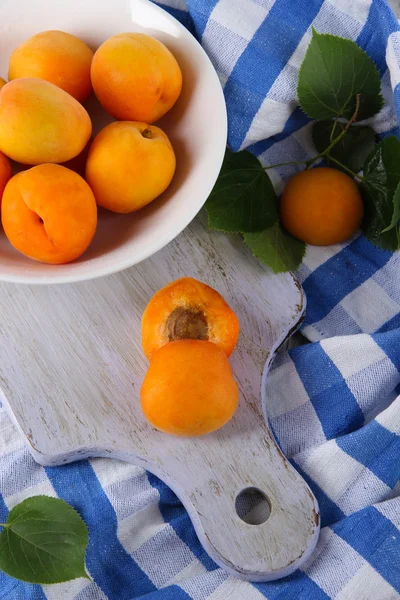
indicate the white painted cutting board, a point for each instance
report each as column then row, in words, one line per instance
column 71, row 367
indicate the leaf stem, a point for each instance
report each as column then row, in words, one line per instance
column 3, row 525
column 327, row 150
column 333, row 129
column 294, row 162
column 355, row 113
column 346, row 169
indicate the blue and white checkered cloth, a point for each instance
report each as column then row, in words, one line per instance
column 332, row 403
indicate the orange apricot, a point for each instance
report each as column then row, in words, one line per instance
column 49, row 214
column 188, row 309
column 129, row 165
column 2, row 82
column 321, row 206
column 5, row 173
column 40, row 123
column 135, row 77
column 58, row 57
column 189, row 389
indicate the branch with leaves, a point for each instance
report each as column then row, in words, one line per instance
column 338, row 86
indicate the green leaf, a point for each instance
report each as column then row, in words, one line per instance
column 352, row 150
column 43, row 541
column 396, row 211
column 379, row 189
column 243, row 198
column 276, row 248
column 333, row 72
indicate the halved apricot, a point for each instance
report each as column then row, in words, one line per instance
column 188, row 309
column 189, row 389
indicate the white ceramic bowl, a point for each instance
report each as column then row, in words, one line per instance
column 197, row 127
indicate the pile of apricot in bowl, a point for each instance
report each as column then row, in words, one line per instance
column 49, row 208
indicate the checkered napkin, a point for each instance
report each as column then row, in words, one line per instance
column 332, row 403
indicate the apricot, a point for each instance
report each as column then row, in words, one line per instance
column 58, row 57
column 5, row 173
column 40, row 123
column 188, row 309
column 135, row 77
column 189, row 389
column 321, row 206
column 129, row 165
column 2, row 82
column 49, row 213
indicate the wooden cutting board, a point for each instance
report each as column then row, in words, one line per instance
column 71, row 367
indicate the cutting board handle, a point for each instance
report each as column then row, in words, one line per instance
column 254, row 514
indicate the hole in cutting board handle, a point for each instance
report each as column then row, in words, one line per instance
column 252, row 506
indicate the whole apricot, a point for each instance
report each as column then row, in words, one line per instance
column 189, row 389
column 321, row 206
column 188, row 309
column 2, row 82
column 58, row 57
column 5, row 173
column 40, row 123
column 135, row 77
column 49, row 213
column 129, row 165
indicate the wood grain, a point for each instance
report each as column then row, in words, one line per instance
column 71, row 367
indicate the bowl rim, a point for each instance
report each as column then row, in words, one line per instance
column 163, row 241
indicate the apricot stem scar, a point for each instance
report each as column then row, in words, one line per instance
column 146, row 133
